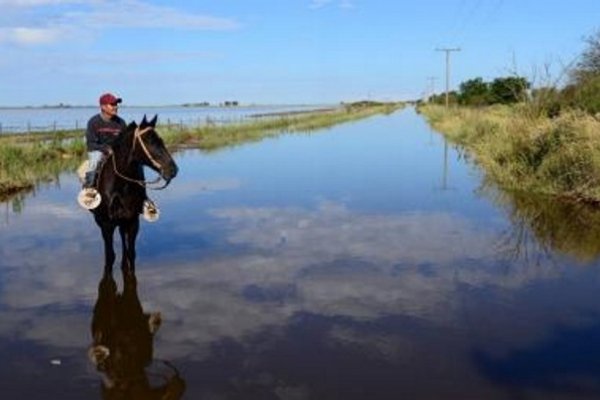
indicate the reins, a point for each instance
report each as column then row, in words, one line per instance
column 137, row 137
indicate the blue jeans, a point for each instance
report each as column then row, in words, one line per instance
column 94, row 158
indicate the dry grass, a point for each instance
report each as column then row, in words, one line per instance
column 559, row 157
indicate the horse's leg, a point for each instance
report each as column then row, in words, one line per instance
column 129, row 234
column 108, row 231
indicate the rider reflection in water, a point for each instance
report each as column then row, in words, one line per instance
column 122, row 346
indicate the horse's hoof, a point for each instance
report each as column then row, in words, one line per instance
column 89, row 198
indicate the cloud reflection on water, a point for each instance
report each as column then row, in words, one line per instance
column 432, row 276
column 330, row 262
column 422, row 292
column 333, row 261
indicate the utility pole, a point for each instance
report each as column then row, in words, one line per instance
column 448, row 50
column 431, row 86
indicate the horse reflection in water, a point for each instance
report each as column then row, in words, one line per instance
column 122, row 348
column 123, row 188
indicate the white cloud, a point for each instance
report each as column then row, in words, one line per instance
column 136, row 57
column 30, row 36
column 347, row 4
column 138, row 14
column 315, row 4
column 36, row 3
column 318, row 4
column 34, row 22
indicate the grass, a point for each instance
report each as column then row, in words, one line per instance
column 558, row 157
column 213, row 137
column 540, row 223
column 26, row 160
column 23, row 165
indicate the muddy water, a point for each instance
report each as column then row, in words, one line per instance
column 368, row 261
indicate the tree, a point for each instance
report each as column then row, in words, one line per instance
column 588, row 66
column 474, row 92
column 441, row 98
column 587, row 95
column 512, row 89
column 546, row 101
column 584, row 89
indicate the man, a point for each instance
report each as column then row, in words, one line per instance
column 102, row 131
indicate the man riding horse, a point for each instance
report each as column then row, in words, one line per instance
column 102, row 131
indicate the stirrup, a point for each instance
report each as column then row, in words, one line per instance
column 150, row 211
column 89, row 198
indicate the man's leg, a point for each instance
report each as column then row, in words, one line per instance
column 88, row 197
column 94, row 158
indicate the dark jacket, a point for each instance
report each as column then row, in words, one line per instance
column 101, row 134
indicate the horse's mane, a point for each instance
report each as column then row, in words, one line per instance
column 122, row 200
column 124, row 138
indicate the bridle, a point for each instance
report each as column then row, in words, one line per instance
column 137, row 137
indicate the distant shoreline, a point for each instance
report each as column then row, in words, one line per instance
column 185, row 105
column 51, row 118
column 289, row 113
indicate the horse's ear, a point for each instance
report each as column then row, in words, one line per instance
column 132, row 125
column 152, row 123
column 144, row 122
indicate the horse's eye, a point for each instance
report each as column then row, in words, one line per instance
column 153, row 139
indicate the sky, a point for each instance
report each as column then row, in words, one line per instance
column 161, row 52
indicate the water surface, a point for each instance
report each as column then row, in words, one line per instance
column 367, row 261
column 51, row 119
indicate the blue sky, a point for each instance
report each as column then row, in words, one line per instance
column 155, row 52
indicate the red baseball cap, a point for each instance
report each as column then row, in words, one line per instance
column 109, row 98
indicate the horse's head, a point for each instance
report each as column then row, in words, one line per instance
column 149, row 148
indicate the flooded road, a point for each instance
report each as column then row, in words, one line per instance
column 368, row 261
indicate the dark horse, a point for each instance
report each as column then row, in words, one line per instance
column 123, row 188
